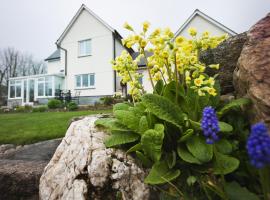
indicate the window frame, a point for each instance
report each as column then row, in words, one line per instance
column 44, row 81
column 15, row 84
column 89, row 86
column 79, row 48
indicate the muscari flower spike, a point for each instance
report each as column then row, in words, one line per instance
column 209, row 125
column 258, row 146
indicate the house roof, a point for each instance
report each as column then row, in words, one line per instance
column 54, row 56
column 197, row 12
column 142, row 62
column 83, row 7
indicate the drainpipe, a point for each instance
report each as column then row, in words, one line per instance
column 114, row 55
column 58, row 46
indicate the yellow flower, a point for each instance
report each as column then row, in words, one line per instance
column 179, row 40
column 205, row 34
column 199, row 81
column 214, row 66
column 201, row 93
column 143, row 43
column 137, row 38
column 127, row 26
column 211, row 91
column 145, row 26
column 211, row 81
column 192, row 31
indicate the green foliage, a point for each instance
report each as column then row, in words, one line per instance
column 72, row 106
column 108, row 100
column 161, row 173
column 224, row 164
column 236, row 192
column 235, row 104
column 119, row 138
column 40, row 109
column 54, row 103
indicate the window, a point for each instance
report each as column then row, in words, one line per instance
column 45, row 86
column 85, row 48
column 85, row 80
column 15, row 89
column 140, row 78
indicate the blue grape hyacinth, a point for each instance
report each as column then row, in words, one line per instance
column 258, row 146
column 209, row 125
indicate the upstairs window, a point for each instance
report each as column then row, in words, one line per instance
column 85, row 81
column 85, row 48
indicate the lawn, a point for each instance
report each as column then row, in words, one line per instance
column 26, row 128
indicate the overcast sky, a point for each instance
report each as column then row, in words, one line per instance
column 33, row 26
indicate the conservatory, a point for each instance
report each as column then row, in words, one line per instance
column 36, row 89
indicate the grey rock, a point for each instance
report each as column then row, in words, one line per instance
column 226, row 54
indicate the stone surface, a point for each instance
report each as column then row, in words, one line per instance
column 226, row 54
column 252, row 75
column 83, row 168
column 21, row 168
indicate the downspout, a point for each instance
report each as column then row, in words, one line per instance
column 58, row 46
column 114, row 55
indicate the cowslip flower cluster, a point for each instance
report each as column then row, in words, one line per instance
column 209, row 125
column 258, row 146
column 170, row 58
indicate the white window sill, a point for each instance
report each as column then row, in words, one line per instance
column 16, row 98
column 85, row 88
column 82, row 56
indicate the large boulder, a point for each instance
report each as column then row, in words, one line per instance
column 252, row 75
column 21, row 168
column 226, row 54
column 83, row 168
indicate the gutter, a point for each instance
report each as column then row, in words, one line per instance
column 114, row 55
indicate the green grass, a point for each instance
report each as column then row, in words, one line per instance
column 27, row 128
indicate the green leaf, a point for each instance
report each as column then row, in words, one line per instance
column 186, row 156
column 224, row 164
column 152, row 141
column 121, row 106
column 171, row 159
column 199, row 149
column 235, row 104
column 145, row 161
column 158, row 87
column 163, row 109
column 160, row 173
column 143, row 125
column 191, row 180
column 195, row 125
column 136, row 147
column 225, row 127
column 118, row 138
column 111, row 123
column 188, row 133
column 236, row 192
column 128, row 119
column 224, row 146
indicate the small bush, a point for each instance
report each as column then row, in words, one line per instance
column 108, row 100
column 54, row 103
column 40, row 109
column 28, row 108
column 72, row 106
column 20, row 109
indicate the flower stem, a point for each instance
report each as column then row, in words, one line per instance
column 265, row 182
column 176, row 79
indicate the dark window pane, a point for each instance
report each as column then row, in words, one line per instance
column 18, row 91
column 40, row 89
column 12, row 91
column 78, row 81
column 92, row 79
column 48, row 88
column 85, row 80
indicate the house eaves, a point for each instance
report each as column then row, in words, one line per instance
column 209, row 19
column 73, row 20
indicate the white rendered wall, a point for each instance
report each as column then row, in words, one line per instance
column 88, row 27
column 55, row 67
column 202, row 25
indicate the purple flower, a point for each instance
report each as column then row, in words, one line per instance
column 210, row 125
column 258, row 146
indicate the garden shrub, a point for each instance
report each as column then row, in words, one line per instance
column 40, row 109
column 72, row 106
column 108, row 100
column 193, row 143
column 20, row 109
column 54, row 103
column 28, row 108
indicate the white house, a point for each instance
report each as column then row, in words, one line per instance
column 81, row 63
